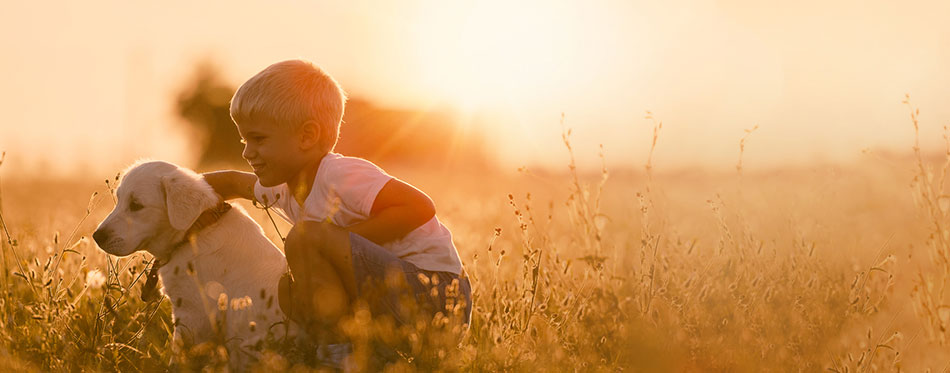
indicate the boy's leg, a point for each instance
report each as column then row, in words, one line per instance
column 324, row 285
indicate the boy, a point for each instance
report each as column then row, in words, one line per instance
column 354, row 225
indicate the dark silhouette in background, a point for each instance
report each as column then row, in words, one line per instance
column 204, row 105
column 389, row 137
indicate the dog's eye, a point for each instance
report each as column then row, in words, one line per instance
column 135, row 205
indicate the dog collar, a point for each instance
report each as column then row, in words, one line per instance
column 208, row 217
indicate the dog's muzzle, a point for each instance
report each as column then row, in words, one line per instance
column 102, row 237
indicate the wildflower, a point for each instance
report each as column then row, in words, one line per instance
column 423, row 278
column 223, row 302
column 238, row 304
column 95, row 279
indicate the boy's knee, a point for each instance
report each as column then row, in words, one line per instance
column 305, row 237
column 308, row 236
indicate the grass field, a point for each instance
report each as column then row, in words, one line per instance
column 823, row 268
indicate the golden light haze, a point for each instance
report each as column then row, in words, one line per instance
column 91, row 86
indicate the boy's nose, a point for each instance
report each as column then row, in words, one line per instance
column 247, row 153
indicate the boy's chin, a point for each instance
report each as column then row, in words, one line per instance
column 268, row 183
column 267, row 180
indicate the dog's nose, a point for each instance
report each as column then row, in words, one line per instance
column 101, row 236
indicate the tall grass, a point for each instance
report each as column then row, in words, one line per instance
column 794, row 270
column 932, row 303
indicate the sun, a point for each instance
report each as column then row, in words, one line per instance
column 495, row 54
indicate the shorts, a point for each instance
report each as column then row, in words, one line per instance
column 377, row 270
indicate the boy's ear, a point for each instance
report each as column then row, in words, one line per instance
column 309, row 134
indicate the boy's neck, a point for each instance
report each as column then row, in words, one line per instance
column 301, row 185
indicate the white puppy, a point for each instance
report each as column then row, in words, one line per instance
column 223, row 252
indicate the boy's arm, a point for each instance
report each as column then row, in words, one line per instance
column 398, row 209
column 232, row 184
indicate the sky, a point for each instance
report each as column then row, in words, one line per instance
column 89, row 87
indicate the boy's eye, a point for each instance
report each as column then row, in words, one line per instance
column 135, row 205
column 255, row 139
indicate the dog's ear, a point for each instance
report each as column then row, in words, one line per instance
column 186, row 197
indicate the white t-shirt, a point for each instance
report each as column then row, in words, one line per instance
column 344, row 190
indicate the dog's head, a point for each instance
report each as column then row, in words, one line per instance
column 156, row 202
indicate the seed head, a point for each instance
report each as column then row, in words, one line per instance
column 95, row 279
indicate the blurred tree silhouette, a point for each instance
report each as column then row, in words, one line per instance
column 204, row 104
column 430, row 139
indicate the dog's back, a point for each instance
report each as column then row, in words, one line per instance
column 238, row 269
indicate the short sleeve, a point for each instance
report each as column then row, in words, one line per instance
column 356, row 182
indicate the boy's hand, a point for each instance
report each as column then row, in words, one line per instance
column 232, row 184
column 398, row 209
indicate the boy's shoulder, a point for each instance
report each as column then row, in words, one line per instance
column 337, row 158
column 352, row 181
column 334, row 166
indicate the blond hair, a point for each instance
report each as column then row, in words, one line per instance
column 290, row 93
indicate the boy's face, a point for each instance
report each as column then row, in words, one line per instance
column 273, row 152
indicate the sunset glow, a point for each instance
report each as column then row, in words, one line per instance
column 494, row 59
column 823, row 81
column 559, row 185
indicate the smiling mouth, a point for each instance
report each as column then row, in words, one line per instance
column 257, row 167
